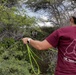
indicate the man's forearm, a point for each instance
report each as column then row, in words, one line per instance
column 36, row 44
column 40, row 45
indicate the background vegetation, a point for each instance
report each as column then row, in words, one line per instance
column 15, row 24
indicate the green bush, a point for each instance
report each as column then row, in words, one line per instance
column 13, row 58
column 14, row 67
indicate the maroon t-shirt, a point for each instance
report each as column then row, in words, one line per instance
column 65, row 40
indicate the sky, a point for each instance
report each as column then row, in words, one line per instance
column 41, row 14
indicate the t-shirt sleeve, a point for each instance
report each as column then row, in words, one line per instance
column 53, row 38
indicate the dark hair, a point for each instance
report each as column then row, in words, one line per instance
column 74, row 18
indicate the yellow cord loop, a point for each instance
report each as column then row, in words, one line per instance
column 31, row 55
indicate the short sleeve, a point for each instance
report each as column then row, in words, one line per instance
column 53, row 38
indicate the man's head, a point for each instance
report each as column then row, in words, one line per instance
column 73, row 20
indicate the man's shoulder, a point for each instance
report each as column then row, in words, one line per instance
column 64, row 28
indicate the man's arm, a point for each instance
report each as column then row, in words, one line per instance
column 40, row 45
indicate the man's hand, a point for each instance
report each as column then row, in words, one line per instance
column 26, row 40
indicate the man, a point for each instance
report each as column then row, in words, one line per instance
column 65, row 40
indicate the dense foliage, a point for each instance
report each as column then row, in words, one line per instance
column 14, row 58
column 13, row 53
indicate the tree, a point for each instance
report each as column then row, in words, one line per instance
column 13, row 54
column 9, row 3
column 11, row 22
column 58, row 10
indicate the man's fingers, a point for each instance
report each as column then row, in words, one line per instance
column 24, row 40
